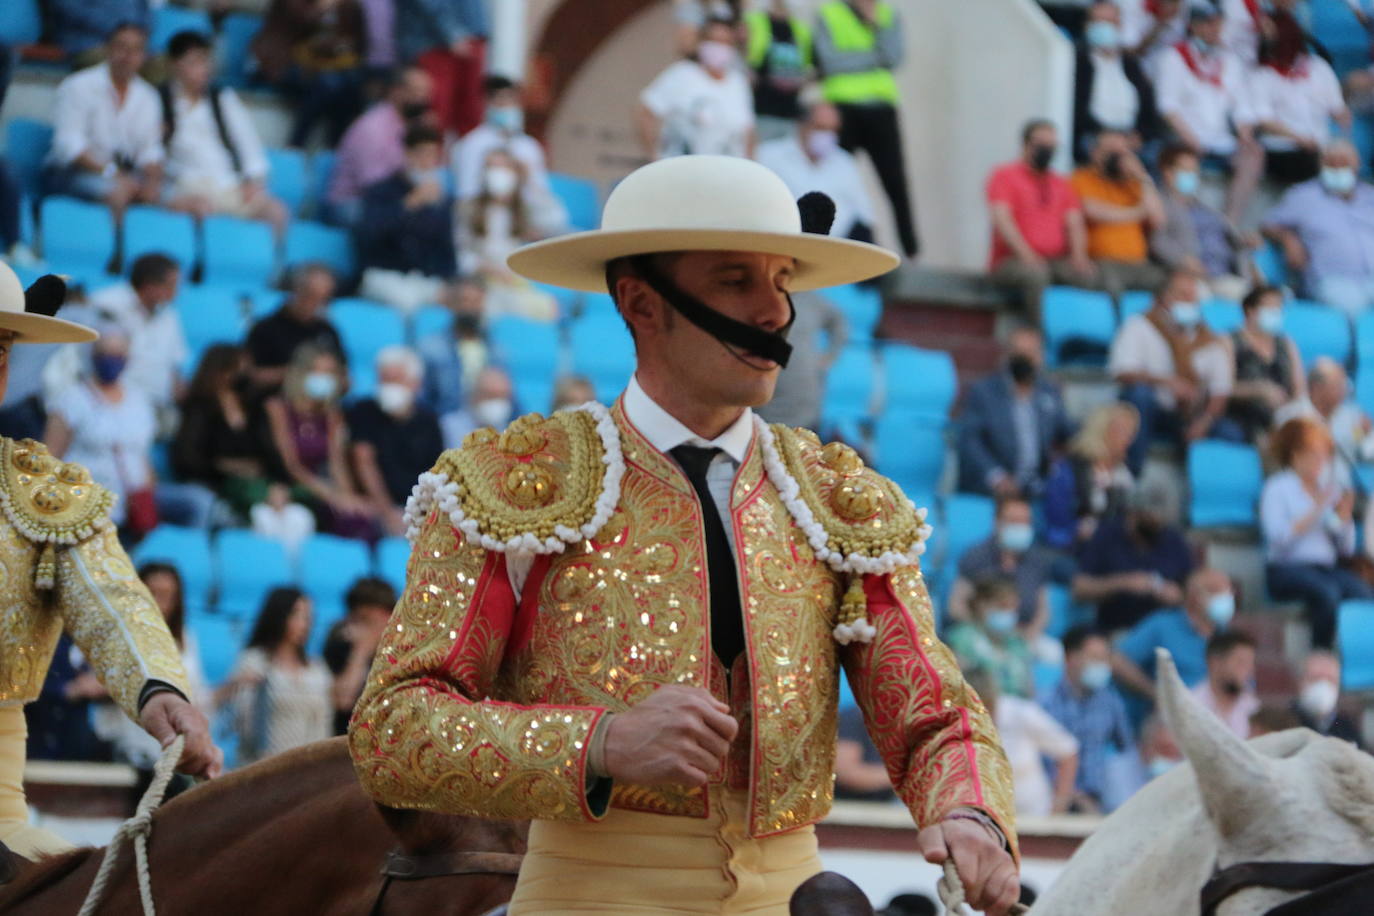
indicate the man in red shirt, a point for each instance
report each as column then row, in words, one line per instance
column 1038, row 233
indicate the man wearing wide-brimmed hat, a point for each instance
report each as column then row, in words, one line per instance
column 64, row 571
column 627, row 623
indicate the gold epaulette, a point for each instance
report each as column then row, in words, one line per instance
column 857, row 520
column 49, row 502
column 540, row 485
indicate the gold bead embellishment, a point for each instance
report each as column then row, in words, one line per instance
column 34, row 461
column 523, row 437
column 842, row 459
column 51, row 500
column 856, row 499
column 479, row 437
column 73, row 474
column 529, row 486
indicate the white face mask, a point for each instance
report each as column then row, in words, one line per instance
column 394, row 398
column 1318, row 699
column 716, row 56
column 501, row 181
column 821, row 143
column 494, row 412
column 1338, row 181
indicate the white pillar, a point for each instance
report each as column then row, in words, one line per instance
column 506, row 50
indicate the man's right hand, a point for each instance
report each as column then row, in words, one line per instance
column 1294, row 253
column 678, row 736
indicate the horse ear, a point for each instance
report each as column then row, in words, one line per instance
column 1231, row 776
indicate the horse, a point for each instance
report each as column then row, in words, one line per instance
column 1280, row 824
column 292, row 834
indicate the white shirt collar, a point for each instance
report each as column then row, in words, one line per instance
column 665, row 432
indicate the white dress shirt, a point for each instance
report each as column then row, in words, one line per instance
column 1139, row 348
column 88, row 118
column 1115, row 102
column 1206, row 108
column 196, row 154
column 836, row 175
column 665, row 433
column 157, row 341
column 700, row 114
column 1283, row 502
column 1305, row 104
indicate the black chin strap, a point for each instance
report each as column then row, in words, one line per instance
column 747, row 337
column 1331, row 887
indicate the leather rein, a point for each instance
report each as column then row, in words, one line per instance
column 1331, row 888
column 404, row 867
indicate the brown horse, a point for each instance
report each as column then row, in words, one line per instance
column 293, row 834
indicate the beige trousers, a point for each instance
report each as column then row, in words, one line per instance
column 15, row 831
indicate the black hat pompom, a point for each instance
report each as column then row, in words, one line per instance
column 817, row 212
column 45, row 296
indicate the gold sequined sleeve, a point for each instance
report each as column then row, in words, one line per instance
column 112, row 618
column 428, row 733
column 934, row 733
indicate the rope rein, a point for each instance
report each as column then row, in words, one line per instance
column 137, row 828
column 951, row 891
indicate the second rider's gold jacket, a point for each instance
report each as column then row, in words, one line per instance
column 481, row 700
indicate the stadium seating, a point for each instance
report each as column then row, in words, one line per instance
column 311, row 241
column 602, row 351
column 1333, row 24
column 1318, row 330
column 77, row 235
column 248, row 567
column 26, row 146
column 209, row 315
column 261, row 300
column 909, row 447
column 596, row 305
column 1355, row 642
column 188, row 549
column 862, row 307
column 969, row 518
column 392, row 556
column 848, row 393
column 1224, row 481
column 169, row 20
column 238, row 251
column 581, row 198
column 149, row 230
column 236, row 34
column 918, row 381
column 569, row 300
column 366, row 328
column 321, row 171
column 288, row 178
column 328, row 566
column 219, row 640
column 1135, row 301
column 1079, row 325
column 428, row 321
column 1222, row 315
column 22, row 23
column 529, row 351
column 1269, row 262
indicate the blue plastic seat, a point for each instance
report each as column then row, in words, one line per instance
column 219, row 640
column 248, row 567
column 848, row 393
column 392, row 556
column 1335, row 26
column 428, row 321
column 1355, row 642
column 596, row 306
column 1318, row 330
column 188, row 549
column 366, row 328
column 27, row 143
column 581, row 198
column 862, row 307
column 209, row 315
column 310, row 241
column 169, row 20
column 321, row 173
column 1079, row 325
column 1269, row 262
column 529, row 351
column 1223, row 315
column 969, row 519
column 22, row 23
column 287, row 178
column 910, row 447
column 603, row 351
column 78, row 236
column 236, row 34
column 153, row 230
column 328, row 567
column 918, row 381
column 238, row 251
column 1224, row 481
column 1135, row 302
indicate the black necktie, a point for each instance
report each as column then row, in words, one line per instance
column 727, row 625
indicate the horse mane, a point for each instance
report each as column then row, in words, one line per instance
column 38, row 876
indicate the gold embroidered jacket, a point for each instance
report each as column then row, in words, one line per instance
column 481, row 700
column 64, row 568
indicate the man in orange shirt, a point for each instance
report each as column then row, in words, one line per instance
column 1122, row 208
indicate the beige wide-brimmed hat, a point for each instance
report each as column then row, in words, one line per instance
column 700, row 203
column 31, row 327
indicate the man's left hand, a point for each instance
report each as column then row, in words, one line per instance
column 167, row 715
column 991, row 884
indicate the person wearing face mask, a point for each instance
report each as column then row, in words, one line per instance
column 1111, row 90
column 374, row 146
column 1268, row 366
column 1038, row 233
column 456, row 355
column 448, row 39
column 1090, row 708
column 1209, row 605
column 1175, row 370
column 1149, row 28
column 405, row 238
column 1229, row 688
column 1307, row 518
column 1195, row 235
column 700, row 105
column 1122, row 207
column 395, row 438
column 302, row 320
column 310, row 440
column 491, row 403
column 503, row 127
column 1317, row 704
column 1326, row 230
column 1135, row 563
column 811, row 159
column 990, row 640
column 1010, row 553
column 1011, row 421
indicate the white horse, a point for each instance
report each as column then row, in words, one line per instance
column 1289, row 797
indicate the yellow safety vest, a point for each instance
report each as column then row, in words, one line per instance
column 849, row 33
column 761, row 37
